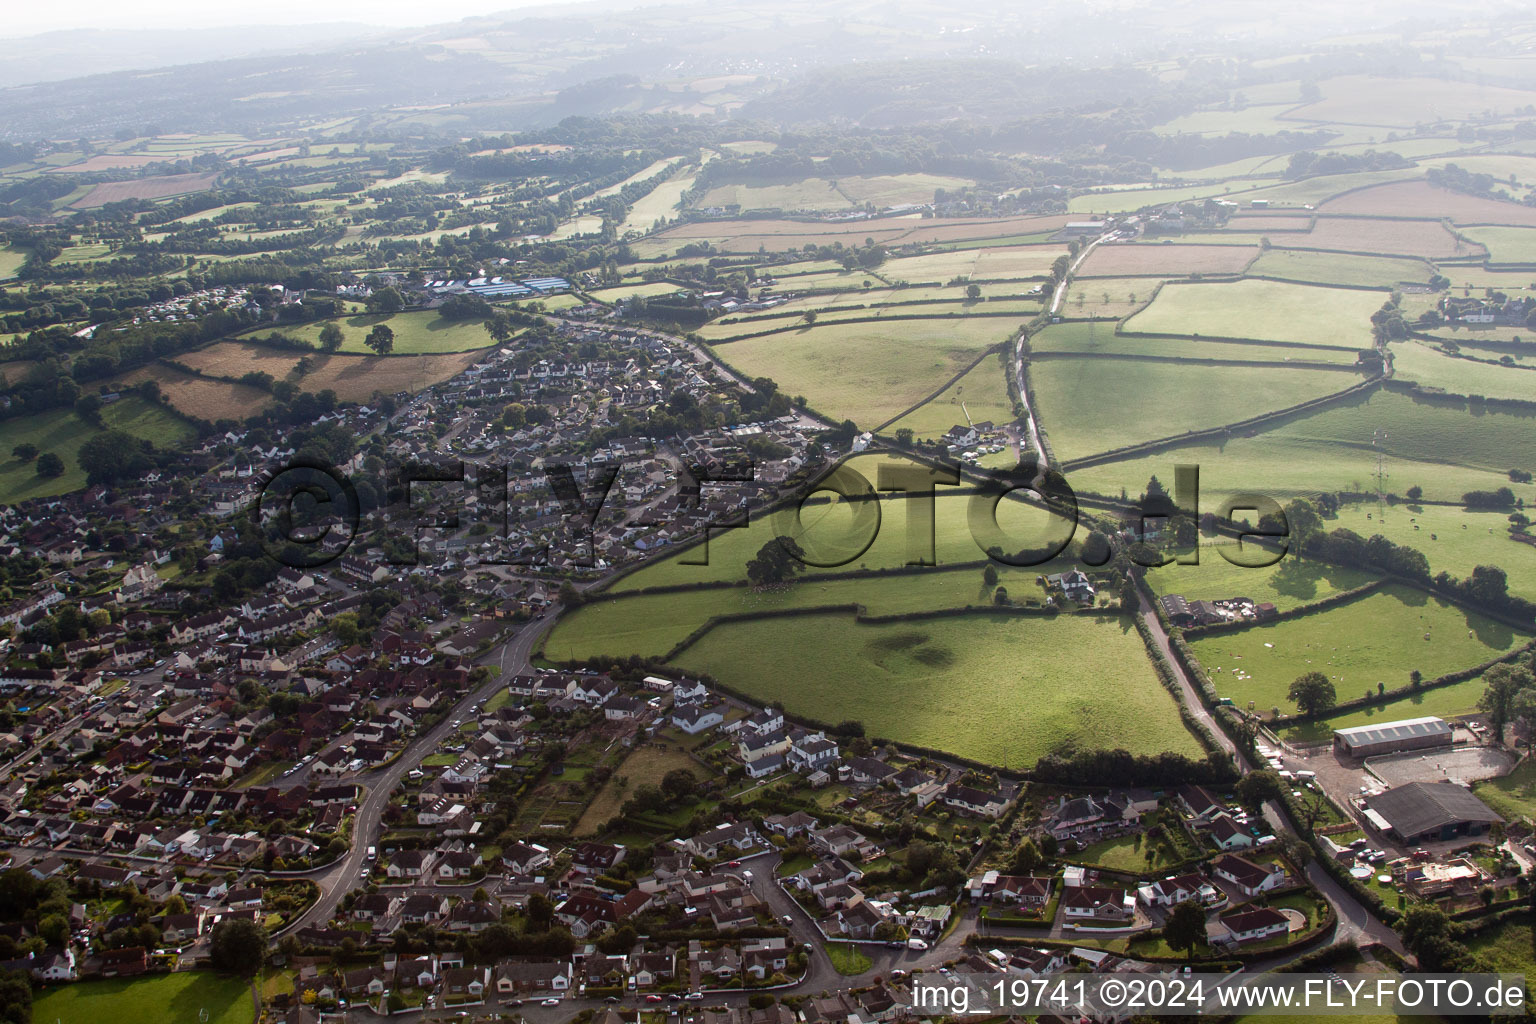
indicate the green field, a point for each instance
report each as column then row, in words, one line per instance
column 822, row 525
column 1442, row 447
column 626, row 291
column 1416, row 361
column 1513, row 796
column 1013, row 263
column 11, row 260
column 1339, row 268
column 963, row 684
column 1454, row 539
column 651, row 624
column 981, row 395
column 1263, row 311
column 1505, row 244
column 867, row 372
column 660, row 204
column 1093, row 338
column 1371, row 640
column 177, row 998
column 1089, row 406
column 62, row 432
column 1441, row 701
column 1287, row 584
column 422, row 332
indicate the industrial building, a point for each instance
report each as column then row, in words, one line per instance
column 1392, row 737
column 1429, row 811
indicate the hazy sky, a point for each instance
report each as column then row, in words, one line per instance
column 25, row 19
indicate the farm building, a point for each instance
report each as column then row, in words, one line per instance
column 1392, row 737
column 1429, row 811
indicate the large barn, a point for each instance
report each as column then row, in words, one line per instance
column 1392, row 737
column 1430, row 811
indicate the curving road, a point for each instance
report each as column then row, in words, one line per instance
column 336, row 879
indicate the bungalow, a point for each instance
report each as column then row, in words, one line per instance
column 1228, row 834
column 696, row 718
column 975, row 801
column 1093, row 902
column 539, row 976
column 1244, row 926
column 1028, row 891
column 470, row 982
column 1199, row 803
column 1249, row 878
column 124, row 963
column 410, row 864
column 1171, row 891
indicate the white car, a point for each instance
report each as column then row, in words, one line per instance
column 551, row 1001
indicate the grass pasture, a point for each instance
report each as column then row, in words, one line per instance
column 822, row 524
column 176, row 998
column 809, row 194
column 1455, row 540
column 11, row 260
column 1443, row 446
column 1287, row 584
column 957, row 684
column 1340, row 268
column 1429, row 366
column 1094, row 405
column 1505, row 244
column 353, row 378
column 980, row 395
column 1375, row 639
column 1011, row 263
column 867, row 372
column 1262, row 311
column 1100, row 339
column 62, row 432
column 421, row 332
column 1393, row 102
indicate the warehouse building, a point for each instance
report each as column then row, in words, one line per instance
column 1430, row 811
column 1392, row 737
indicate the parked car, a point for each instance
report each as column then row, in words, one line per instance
column 551, row 1001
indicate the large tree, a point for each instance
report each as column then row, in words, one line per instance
column 776, row 562
column 331, row 337
column 381, row 339
column 1313, row 692
column 238, row 947
column 1185, row 929
column 1501, row 684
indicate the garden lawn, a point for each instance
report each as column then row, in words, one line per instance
column 420, row 332
column 1087, row 406
column 1126, row 853
column 1001, row 689
column 151, row 999
column 867, row 372
column 1375, row 639
column 644, row 767
column 62, row 432
column 1263, row 311
column 981, row 395
column 847, row 959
